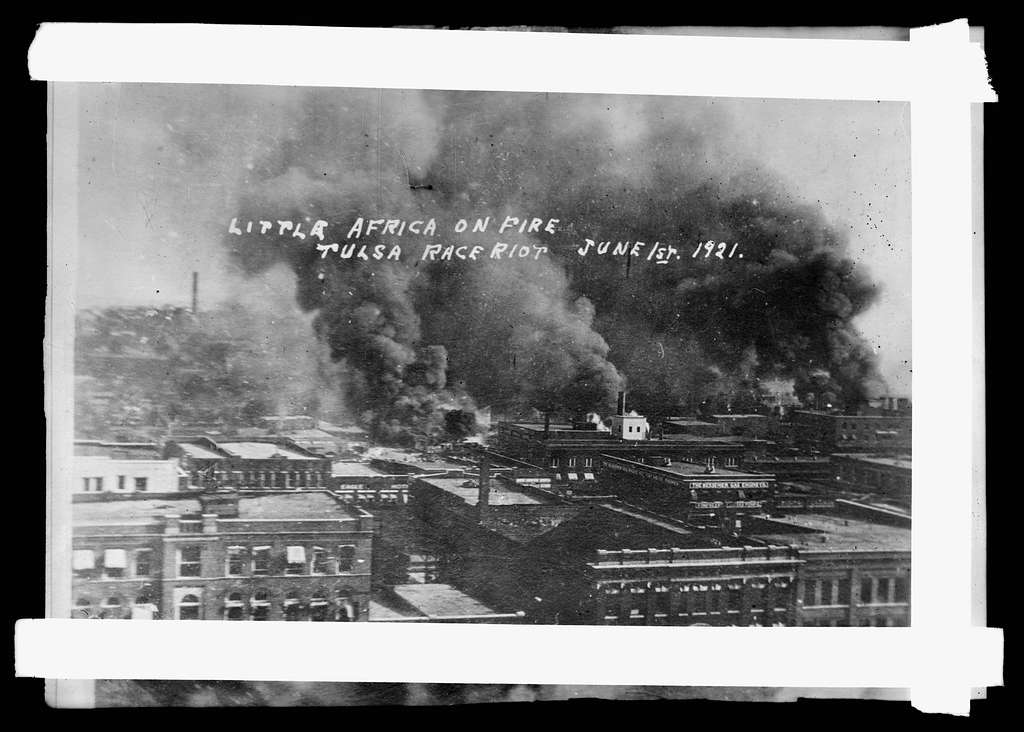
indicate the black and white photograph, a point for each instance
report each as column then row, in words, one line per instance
column 425, row 356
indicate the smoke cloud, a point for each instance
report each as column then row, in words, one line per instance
column 561, row 333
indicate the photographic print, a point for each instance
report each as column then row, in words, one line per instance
column 424, row 356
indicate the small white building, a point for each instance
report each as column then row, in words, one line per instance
column 630, row 426
column 102, row 474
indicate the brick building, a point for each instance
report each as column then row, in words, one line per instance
column 854, row 573
column 833, row 432
column 250, row 463
column 575, row 456
column 220, row 555
column 882, row 474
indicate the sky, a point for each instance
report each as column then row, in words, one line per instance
column 162, row 167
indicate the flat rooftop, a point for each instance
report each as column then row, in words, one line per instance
column 698, row 470
column 296, row 505
column 420, row 461
column 468, row 489
column 195, row 450
column 440, row 600
column 823, row 532
column 904, row 463
column 261, row 451
column 351, row 468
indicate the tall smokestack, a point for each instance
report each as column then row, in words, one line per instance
column 484, row 494
column 622, row 403
column 195, row 293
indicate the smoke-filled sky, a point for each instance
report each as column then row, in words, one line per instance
column 816, row 192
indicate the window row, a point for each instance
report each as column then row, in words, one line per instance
column 881, row 591
column 261, row 560
column 112, row 563
column 143, row 607
column 96, row 484
column 271, row 478
column 697, row 599
column 572, row 462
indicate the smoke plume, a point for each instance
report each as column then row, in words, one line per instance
column 561, row 333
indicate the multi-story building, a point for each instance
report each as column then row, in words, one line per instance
column 250, row 463
column 220, row 555
column 834, row 432
column 854, row 572
column 698, row 494
column 881, row 474
column 599, row 562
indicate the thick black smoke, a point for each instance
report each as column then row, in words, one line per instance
column 564, row 332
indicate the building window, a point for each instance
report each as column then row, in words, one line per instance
column 319, row 561
column 866, row 597
column 572, row 462
column 553, row 463
column 83, row 608
column 318, row 605
column 141, row 484
column 346, row 558
column 190, row 561
column 83, row 562
column 111, row 608
column 234, row 607
column 588, row 462
column 120, row 482
column 261, row 560
column 699, row 601
column 844, row 592
column 143, row 562
column 94, row 485
column 296, row 560
column 236, row 561
column 810, row 590
column 188, row 608
column 826, row 592
column 261, row 605
column 901, row 589
column 115, row 561
column 882, row 594
column 733, row 598
column 292, row 606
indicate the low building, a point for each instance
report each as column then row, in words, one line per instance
column 221, row 555
column 250, row 464
column 100, row 474
column 361, row 483
column 751, row 425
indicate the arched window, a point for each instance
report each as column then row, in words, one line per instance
column 83, row 608
column 318, row 605
column 234, row 607
column 292, row 606
column 344, row 607
column 112, row 608
column 188, row 608
column 261, row 605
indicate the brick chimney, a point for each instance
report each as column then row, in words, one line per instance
column 621, row 408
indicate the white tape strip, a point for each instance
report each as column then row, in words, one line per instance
column 511, row 61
